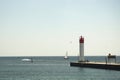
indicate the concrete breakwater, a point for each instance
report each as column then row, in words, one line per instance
column 98, row 65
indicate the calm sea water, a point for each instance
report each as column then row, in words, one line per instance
column 52, row 68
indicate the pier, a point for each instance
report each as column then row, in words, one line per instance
column 97, row 65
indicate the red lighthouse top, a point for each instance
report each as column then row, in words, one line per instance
column 81, row 40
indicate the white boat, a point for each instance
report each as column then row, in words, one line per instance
column 66, row 56
column 27, row 60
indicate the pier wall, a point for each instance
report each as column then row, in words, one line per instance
column 95, row 65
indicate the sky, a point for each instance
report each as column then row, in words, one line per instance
column 52, row 27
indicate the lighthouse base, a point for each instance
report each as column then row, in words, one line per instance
column 98, row 65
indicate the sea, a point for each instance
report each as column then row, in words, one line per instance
column 52, row 68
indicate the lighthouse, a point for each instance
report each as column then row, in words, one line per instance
column 81, row 49
column 98, row 65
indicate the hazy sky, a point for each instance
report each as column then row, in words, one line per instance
column 52, row 27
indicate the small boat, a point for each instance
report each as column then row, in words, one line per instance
column 66, row 56
column 27, row 60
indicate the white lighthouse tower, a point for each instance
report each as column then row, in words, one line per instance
column 81, row 49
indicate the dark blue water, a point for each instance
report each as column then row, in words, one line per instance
column 52, row 68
